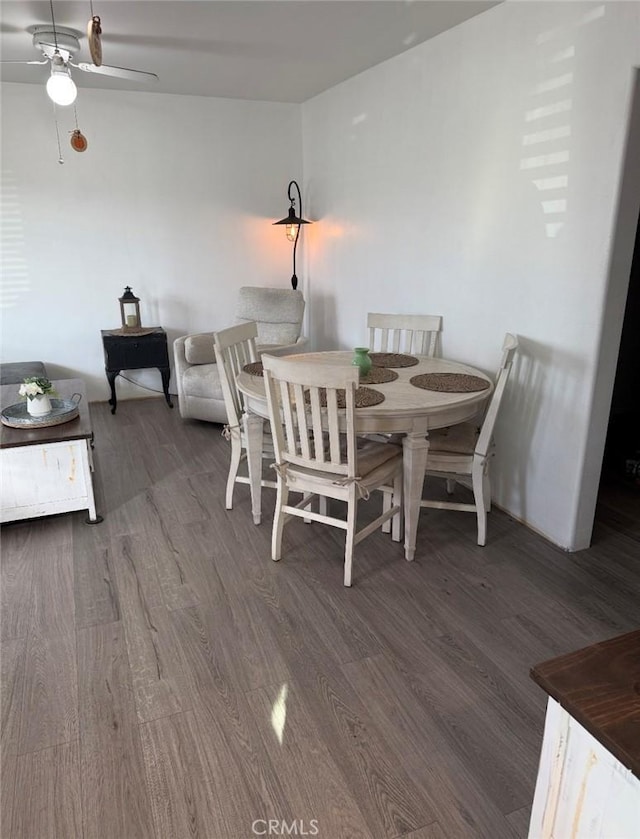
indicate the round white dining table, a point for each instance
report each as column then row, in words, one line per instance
column 407, row 410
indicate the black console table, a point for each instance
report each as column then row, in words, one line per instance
column 134, row 351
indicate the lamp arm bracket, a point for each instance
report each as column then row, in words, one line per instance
column 292, row 199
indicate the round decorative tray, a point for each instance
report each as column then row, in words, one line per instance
column 62, row 410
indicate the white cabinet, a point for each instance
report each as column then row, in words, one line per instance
column 47, row 478
column 46, row 470
column 582, row 790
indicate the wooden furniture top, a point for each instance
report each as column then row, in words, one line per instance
column 76, row 429
column 136, row 332
column 600, row 687
column 402, row 399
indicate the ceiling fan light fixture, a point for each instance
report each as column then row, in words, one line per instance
column 60, row 86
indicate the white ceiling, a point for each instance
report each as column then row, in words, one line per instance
column 284, row 51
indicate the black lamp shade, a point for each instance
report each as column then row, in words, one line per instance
column 292, row 218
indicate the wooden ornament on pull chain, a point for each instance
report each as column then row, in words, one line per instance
column 94, row 31
column 78, row 140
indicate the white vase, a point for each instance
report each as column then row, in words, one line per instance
column 39, row 405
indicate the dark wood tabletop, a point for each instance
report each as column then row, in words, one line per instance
column 75, row 429
column 600, row 687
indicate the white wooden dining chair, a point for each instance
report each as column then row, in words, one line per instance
column 316, row 453
column 419, row 334
column 465, row 450
column 235, row 347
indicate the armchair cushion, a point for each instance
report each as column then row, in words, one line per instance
column 278, row 313
column 199, row 349
column 278, row 334
column 202, row 380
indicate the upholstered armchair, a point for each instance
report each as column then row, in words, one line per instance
column 278, row 314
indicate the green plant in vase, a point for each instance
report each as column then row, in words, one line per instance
column 362, row 360
column 37, row 391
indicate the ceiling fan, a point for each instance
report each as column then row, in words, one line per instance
column 59, row 46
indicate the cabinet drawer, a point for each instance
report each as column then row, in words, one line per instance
column 123, row 353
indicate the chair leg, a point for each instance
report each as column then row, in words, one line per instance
column 236, row 454
column 282, row 498
column 480, row 485
column 306, row 496
column 386, row 505
column 352, row 509
column 322, row 506
column 396, row 533
column 486, row 488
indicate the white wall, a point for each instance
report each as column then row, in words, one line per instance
column 477, row 176
column 174, row 196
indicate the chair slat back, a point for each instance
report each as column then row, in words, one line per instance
column 509, row 349
column 416, row 334
column 306, row 432
column 234, row 347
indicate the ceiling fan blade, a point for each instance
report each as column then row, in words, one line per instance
column 21, row 61
column 118, row 72
column 9, row 27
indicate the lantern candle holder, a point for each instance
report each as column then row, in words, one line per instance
column 130, row 310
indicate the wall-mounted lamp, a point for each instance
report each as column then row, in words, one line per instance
column 293, row 222
column 60, row 86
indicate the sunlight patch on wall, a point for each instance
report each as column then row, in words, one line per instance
column 14, row 270
column 553, row 84
column 544, row 160
column 559, row 205
column 551, row 183
column 563, row 55
column 548, row 110
column 545, row 136
column 592, row 15
column 553, row 133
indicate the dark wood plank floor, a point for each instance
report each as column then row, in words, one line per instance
column 162, row 678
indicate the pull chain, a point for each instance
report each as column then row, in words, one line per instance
column 55, row 118
column 53, row 22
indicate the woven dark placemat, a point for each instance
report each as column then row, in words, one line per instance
column 254, row 368
column 450, row 382
column 378, row 376
column 365, row 397
column 393, row 359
